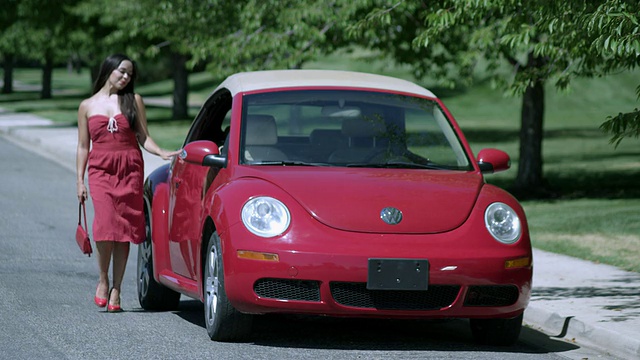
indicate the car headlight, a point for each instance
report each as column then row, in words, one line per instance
column 265, row 216
column 503, row 223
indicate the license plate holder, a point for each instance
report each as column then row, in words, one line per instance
column 398, row 274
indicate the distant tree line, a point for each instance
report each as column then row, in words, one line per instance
column 523, row 44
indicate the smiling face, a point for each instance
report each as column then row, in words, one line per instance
column 117, row 73
column 122, row 75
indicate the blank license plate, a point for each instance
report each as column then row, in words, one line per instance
column 398, row 274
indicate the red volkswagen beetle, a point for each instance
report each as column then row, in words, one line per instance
column 333, row 193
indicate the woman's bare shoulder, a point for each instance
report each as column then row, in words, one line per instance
column 84, row 107
column 93, row 105
column 87, row 103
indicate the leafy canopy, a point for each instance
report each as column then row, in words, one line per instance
column 540, row 39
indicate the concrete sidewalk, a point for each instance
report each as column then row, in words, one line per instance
column 587, row 304
column 594, row 305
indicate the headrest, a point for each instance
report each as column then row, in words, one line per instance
column 362, row 127
column 261, row 130
column 327, row 137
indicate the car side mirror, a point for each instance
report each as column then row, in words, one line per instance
column 203, row 152
column 493, row 160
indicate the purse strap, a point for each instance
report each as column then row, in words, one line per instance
column 82, row 210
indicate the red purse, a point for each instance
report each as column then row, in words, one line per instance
column 82, row 236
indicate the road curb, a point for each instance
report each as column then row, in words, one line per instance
column 23, row 137
column 574, row 330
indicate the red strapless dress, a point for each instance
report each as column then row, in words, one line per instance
column 116, row 175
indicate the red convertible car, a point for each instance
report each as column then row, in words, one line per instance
column 338, row 194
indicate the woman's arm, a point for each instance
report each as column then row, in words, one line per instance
column 82, row 151
column 143, row 133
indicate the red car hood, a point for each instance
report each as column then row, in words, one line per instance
column 353, row 199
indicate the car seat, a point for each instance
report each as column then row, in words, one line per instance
column 364, row 136
column 261, row 138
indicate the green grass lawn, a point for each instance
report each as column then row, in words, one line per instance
column 595, row 214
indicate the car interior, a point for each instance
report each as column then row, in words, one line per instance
column 261, row 139
column 323, row 128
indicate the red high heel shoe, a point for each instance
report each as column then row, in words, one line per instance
column 100, row 302
column 113, row 308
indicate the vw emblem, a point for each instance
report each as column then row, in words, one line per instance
column 391, row 215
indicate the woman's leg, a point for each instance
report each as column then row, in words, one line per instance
column 105, row 249
column 120, row 256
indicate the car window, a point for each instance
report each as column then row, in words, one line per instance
column 212, row 123
column 348, row 128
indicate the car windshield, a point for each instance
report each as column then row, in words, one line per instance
column 350, row 129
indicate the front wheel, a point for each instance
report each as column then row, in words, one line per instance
column 223, row 321
column 501, row 332
column 151, row 294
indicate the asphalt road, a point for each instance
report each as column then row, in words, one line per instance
column 47, row 312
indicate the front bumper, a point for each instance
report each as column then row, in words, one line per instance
column 324, row 271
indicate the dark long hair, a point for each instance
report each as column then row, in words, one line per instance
column 126, row 96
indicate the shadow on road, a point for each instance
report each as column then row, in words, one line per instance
column 314, row 332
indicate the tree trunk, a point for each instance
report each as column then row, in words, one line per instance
column 47, row 75
column 7, row 87
column 529, row 179
column 180, row 86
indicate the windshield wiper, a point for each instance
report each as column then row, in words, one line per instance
column 290, row 163
column 400, row 165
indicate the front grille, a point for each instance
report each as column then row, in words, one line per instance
column 357, row 295
column 491, row 295
column 285, row 289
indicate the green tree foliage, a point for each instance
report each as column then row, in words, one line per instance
column 37, row 31
column 272, row 34
column 149, row 28
column 521, row 44
column 227, row 36
column 614, row 30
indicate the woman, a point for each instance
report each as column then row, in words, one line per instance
column 113, row 122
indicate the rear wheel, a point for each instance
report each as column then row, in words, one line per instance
column 223, row 321
column 151, row 294
column 501, row 332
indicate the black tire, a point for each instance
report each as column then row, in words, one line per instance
column 223, row 321
column 151, row 294
column 499, row 332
